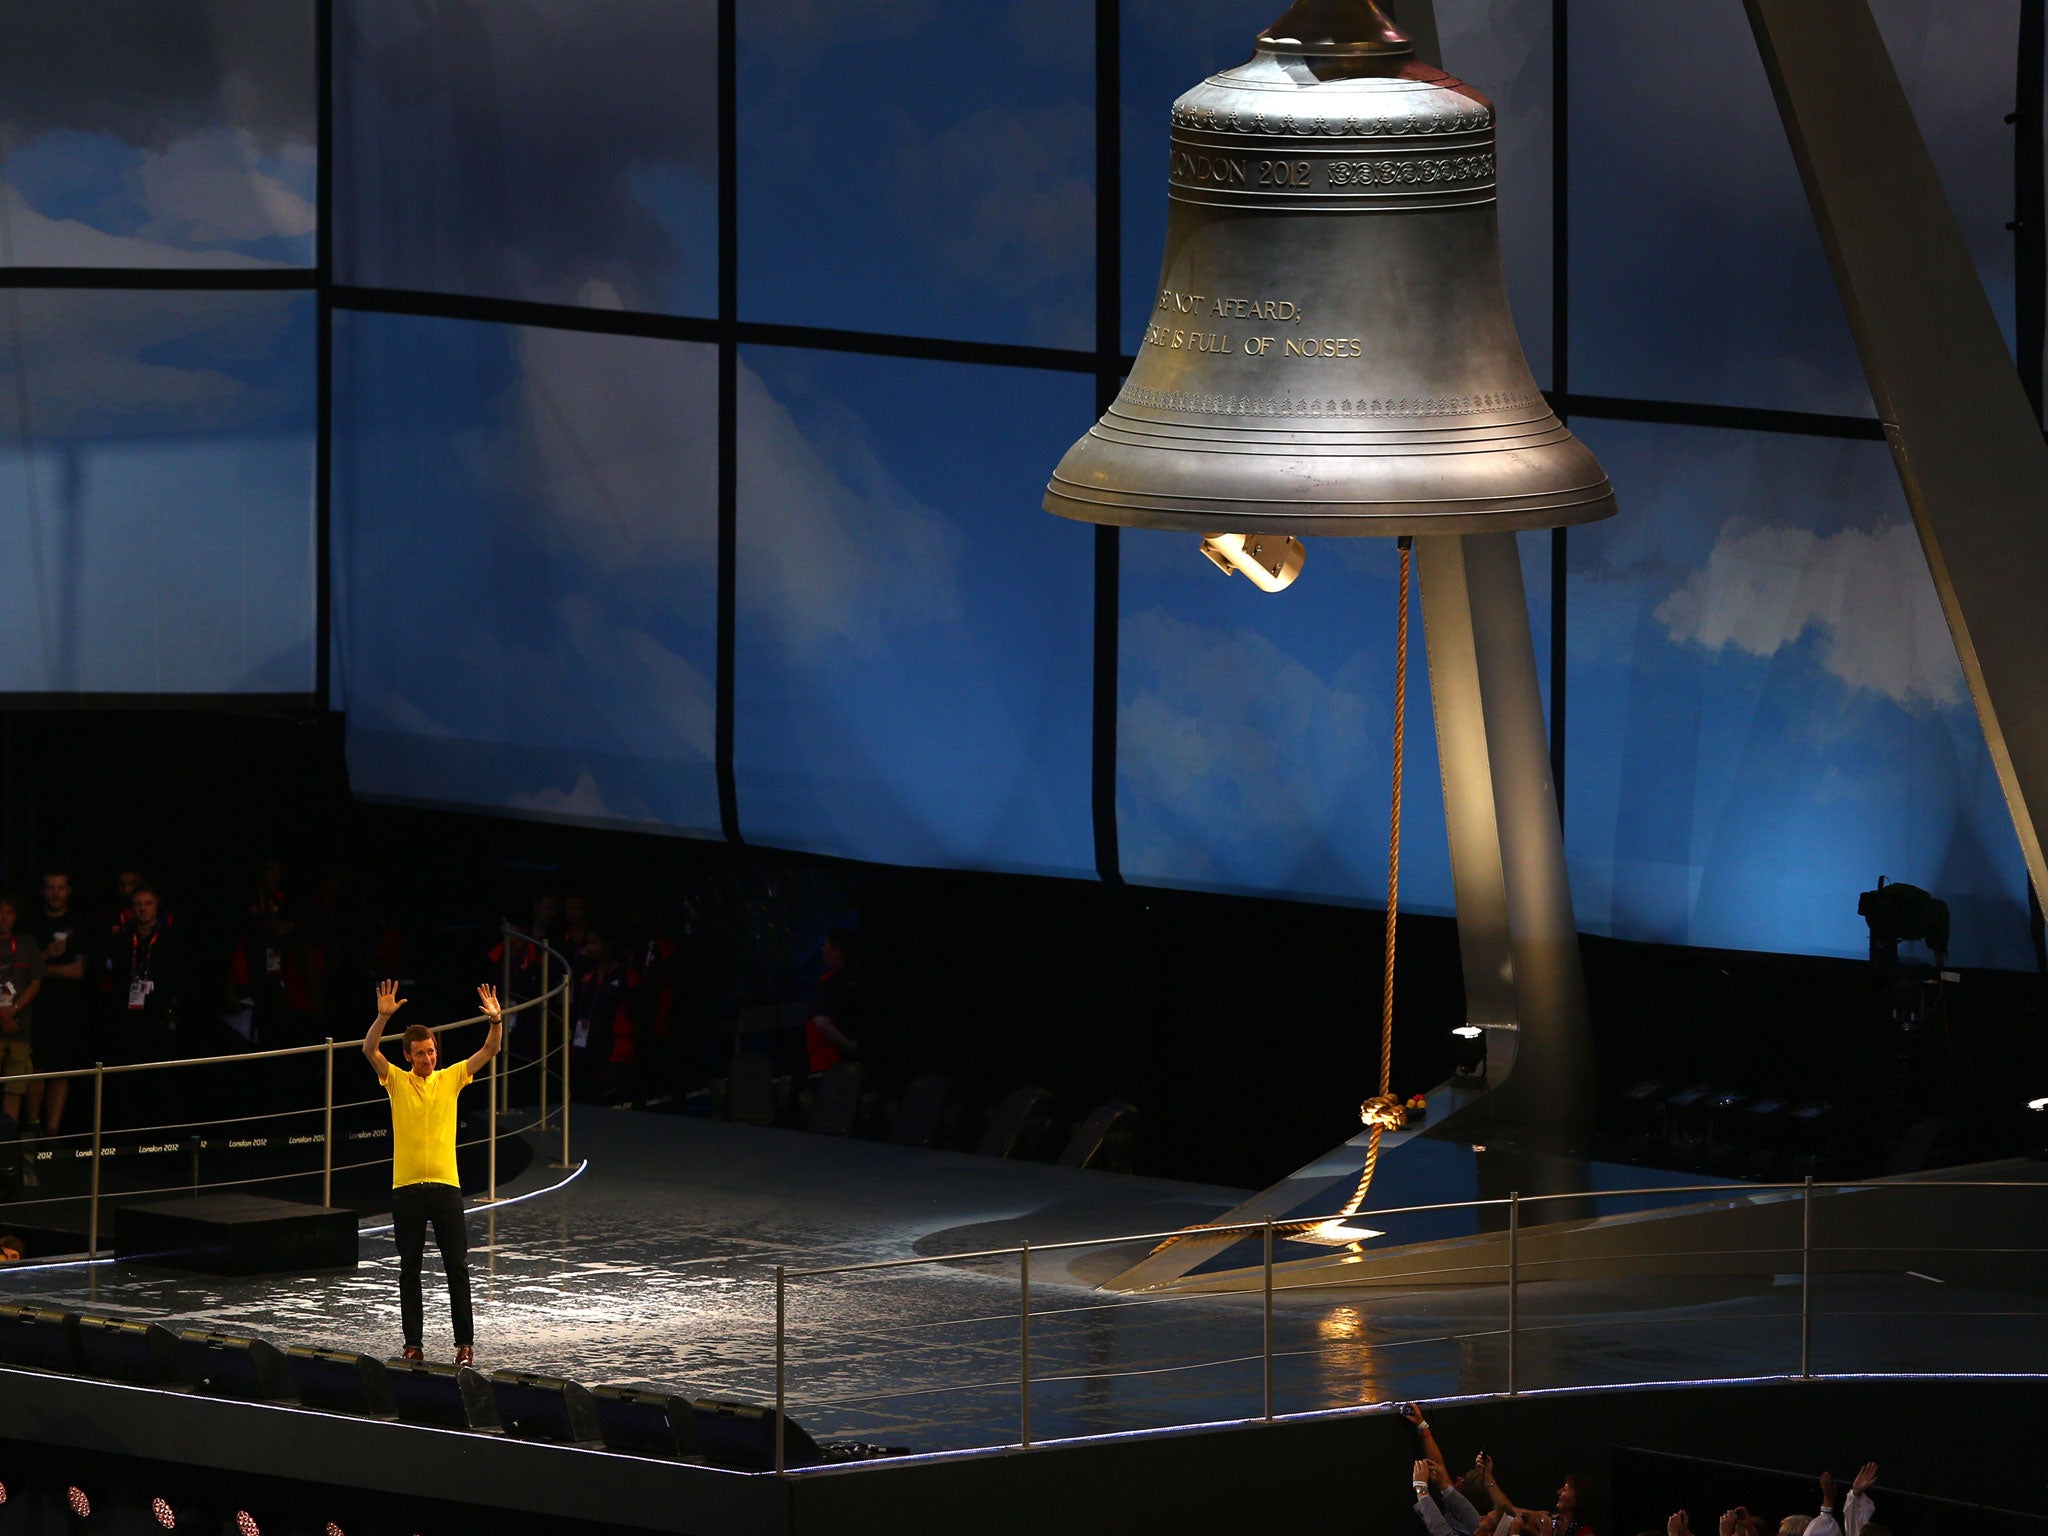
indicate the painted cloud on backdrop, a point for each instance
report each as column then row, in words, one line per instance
column 143, row 134
column 609, row 444
column 1865, row 595
column 1234, row 758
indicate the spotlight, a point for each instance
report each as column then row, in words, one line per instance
column 246, row 1523
column 2038, row 1120
column 1271, row 560
column 1468, row 1052
column 166, row 1516
column 81, row 1506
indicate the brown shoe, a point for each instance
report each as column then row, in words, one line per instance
column 412, row 1352
column 465, row 1354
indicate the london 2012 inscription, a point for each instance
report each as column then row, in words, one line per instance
column 1219, row 171
column 1200, row 335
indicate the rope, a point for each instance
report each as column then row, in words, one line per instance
column 1383, row 1112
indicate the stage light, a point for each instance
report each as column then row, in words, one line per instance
column 246, row 1523
column 1271, row 560
column 81, row 1506
column 335, row 1530
column 166, row 1516
column 2038, row 1119
column 1468, row 1051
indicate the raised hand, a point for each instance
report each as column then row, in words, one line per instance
column 1865, row 1476
column 1827, row 1490
column 488, row 996
column 1730, row 1521
column 388, row 1000
column 1679, row 1524
column 1420, row 1475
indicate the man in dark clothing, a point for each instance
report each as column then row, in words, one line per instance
column 21, row 979
column 144, row 977
column 601, row 1037
column 835, row 1004
column 63, row 1040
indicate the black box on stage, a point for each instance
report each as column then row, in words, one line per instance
column 42, row 1337
column 236, row 1234
column 336, row 1381
column 232, row 1365
column 448, row 1396
column 743, row 1435
column 534, row 1407
column 144, row 1354
column 643, row 1423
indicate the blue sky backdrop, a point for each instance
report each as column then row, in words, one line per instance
column 916, row 638
column 156, row 492
column 1765, row 708
column 526, row 569
column 920, row 166
column 529, row 149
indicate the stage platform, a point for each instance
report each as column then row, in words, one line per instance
column 654, row 1268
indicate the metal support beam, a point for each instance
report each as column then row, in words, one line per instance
column 1517, row 937
column 1962, row 433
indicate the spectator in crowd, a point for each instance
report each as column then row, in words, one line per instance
column 269, row 967
column 524, row 975
column 113, row 925
column 575, row 930
column 652, row 1002
column 63, row 1027
column 21, row 978
column 601, row 1032
column 835, row 1004
column 1456, row 1516
column 144, row 976
column 1856, row 1510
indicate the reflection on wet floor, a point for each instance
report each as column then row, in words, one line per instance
column 655, row 1268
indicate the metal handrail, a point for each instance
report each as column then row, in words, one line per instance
column 1510, row 1273
column 497, row 1087
column 1247, row 1228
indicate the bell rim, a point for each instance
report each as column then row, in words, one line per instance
column 1337, row 519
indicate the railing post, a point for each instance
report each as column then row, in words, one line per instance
column 327, row 1133
column 546, row 986
column 92, row 1219
column 498, row 1105
column 1024, row 1343
column 491, row 1152
column 1268, row 1341
column 1514, row 1287
column 781, row 1406
column 568, row 1042
column 1806, row 1280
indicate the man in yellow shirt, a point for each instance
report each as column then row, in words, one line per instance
column 424, row 1185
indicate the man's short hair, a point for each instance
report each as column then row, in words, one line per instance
column 415, row 1033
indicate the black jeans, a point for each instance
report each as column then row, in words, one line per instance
column 412, row 1207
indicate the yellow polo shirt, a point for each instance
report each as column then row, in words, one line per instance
column 423, row 1124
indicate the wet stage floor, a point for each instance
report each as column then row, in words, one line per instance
column 654, row 1268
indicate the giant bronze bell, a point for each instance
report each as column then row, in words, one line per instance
column 1330, row 349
